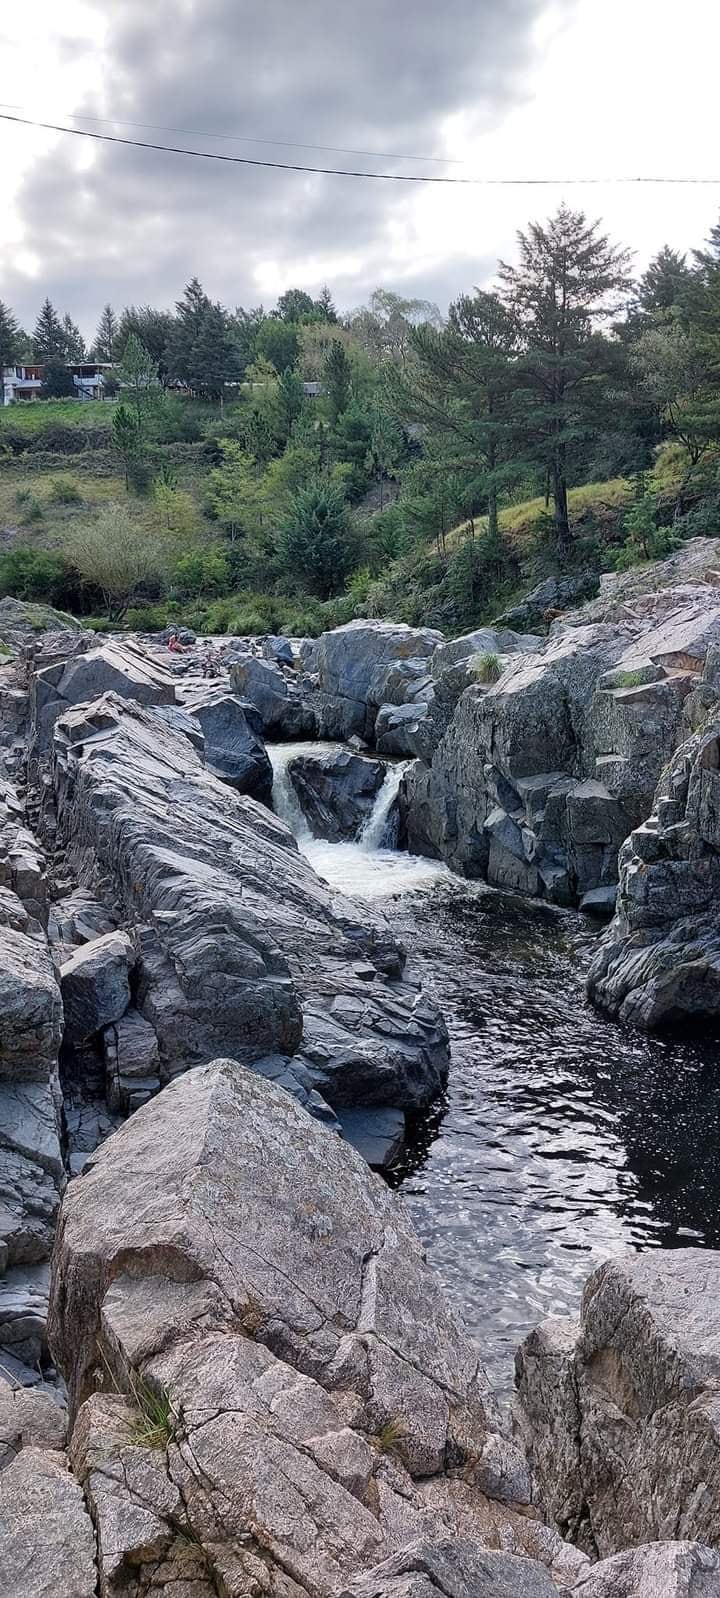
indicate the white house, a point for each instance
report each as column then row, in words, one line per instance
column 25, row 382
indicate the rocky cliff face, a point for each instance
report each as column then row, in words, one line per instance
column 660, row 959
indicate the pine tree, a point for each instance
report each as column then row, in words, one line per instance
column 191, row 311
column 106, row 336
column 74, row 341
column 138, row 379
column 568, row 277
column 325, row 306
column 664, row 283
column 337, row 374
column 49, row 337
column 213, row 360
column 10, row 337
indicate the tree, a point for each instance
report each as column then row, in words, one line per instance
column 386, row 445
column 295, row 305
column 324, row 305
column 191, row 311
column 279, row 342
column 138, row 378
column 384, row 327
column 289, row 401
column 57, row 379
column 74, row 341
column 10, row 337
column 460, row 387
column 213, row 360
column 663, row 285
column 118, row 555
column 154, row 329
column 337, row 376
column 106, row 337
column 235, row 492
column 49, row 339
column 125, row 438
column 568, row 278
column 314, row 546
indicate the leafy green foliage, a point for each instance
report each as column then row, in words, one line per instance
column 314, row 546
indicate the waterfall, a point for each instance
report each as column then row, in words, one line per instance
column 370, row 868
column 285, row 800
column 373, row 835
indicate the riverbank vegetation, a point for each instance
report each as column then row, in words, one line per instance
column 289, row 470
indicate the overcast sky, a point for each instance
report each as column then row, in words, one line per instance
column 508, row 88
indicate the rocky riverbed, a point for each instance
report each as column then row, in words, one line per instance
column 242, row 1377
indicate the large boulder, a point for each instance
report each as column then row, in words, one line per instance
column 454, row 1568
column 619, row 1413
column 660, row 959
column 47, row 1541
column 336, row 791
column 657, row 1570
column 95, row 985
column 366, row 664
column 240, row 947
column 234, row 749
column 554, row 595
column 30, row 1007
column 300, row 1403
column 119, row 668
column 283, row 704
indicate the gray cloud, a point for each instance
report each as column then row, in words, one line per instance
column 137, row 224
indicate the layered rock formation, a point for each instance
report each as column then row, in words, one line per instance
column 537, row 777
column 265, row 1384
column 239, row 948
column 336, row 791
column 619, row 1411
column 660, row 959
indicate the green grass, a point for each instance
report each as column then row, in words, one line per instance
column 485, row 667
column 391, row 1435
column 154, row 1426
column 630, row 679
column 33, row 416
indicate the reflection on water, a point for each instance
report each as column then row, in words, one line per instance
column 563, row 1138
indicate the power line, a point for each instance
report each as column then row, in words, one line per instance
column 243, row 138
column 343, row 172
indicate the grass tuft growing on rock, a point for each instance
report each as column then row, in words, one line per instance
column 390, row 1435
column 485, row 667
column 154, row 1426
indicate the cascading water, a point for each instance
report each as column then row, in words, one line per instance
column 563, row 1137
column 370, row 868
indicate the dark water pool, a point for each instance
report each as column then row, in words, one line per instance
column 563, row 1138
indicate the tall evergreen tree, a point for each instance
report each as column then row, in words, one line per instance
column 191, row 311
column 10, row 337
column 74, row 341
column 324, row 304
column 664, row 283
column 49, row 338
column 106, row 336
column 213, row 360
column 337, row 375
column 569, row 276
column 461, row 386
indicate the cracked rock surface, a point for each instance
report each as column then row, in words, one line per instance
column 322, row 1407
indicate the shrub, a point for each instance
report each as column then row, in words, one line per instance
column 33, row 512
column 64, row 491
column 34, row 574
column 247, row 622
column 485, row 667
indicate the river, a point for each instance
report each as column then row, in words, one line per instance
column 562, row 1138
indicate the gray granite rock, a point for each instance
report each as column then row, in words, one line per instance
column 657, row 1570
column 454, row 1568
column 619, row 1414
column 30, row 1007
column 321, row 1408
column 336, row 791
column 95, row 985
column 241, row 948
column 285, row 709
column 46, row 1534
column 121, row 668
column 234, row 749
column 355, row 664
column 659, row 960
